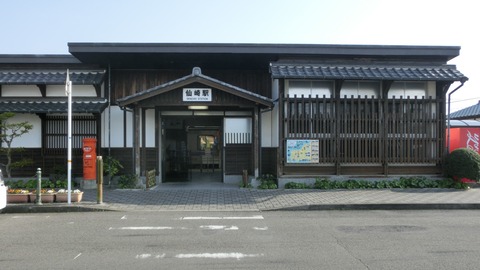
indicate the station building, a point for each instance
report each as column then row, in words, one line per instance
column 297, row 111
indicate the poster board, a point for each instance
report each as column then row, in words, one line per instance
column 302, row 151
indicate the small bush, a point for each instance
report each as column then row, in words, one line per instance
column 403, row 182
column 128, row 181
column 294, row 185
column 267, row 181
column 463, row 163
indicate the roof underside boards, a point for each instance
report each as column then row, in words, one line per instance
column 51, row 77
column 467, row 113
column 196, row 76
column 301, row 71
column 53, row 105
column 255, row 56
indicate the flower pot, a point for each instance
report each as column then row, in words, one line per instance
column 46, row 198
column 17, row 198
column 63, row 197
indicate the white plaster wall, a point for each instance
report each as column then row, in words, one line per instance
column 21, row 91
column 77, row 91
column 266, row 127
column 150, row 128
column 270, row 128
column 115, row 139
column 33, row 139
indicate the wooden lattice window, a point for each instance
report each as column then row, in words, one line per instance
column 56, row 132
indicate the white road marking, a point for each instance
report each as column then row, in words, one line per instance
column 234, row 255
column 124, row 217
column 142, row 228
column 148, row 256
column 219, row 218
column 79, row 254
column 219, row 227
column 143, row 256
column 260, row 228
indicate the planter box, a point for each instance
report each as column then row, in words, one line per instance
column 63, row 197
column 18, row 198
column 46, row 198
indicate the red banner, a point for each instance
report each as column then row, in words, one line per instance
column 465, row 138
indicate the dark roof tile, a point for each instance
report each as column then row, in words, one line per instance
column 297, row 71
column 51, row 77
column 469, row 112
column 53, row 105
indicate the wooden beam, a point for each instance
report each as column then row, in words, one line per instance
column 144, row 144
column 281, row 131
column 256, row 142
column 136, row 139
column 43, row 89
column 338, row 87
column 98, row 89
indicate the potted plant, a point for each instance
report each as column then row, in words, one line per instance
column 48, row 195
column 17, row 195
column 62, row 195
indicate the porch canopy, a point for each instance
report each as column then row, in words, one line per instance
column 142, row 98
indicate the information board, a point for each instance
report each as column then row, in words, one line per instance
column 302, row 151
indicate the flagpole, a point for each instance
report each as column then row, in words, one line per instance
column 68, row 90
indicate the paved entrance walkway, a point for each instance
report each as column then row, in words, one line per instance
column 222, row 197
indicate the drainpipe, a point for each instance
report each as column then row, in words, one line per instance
column 462, row 81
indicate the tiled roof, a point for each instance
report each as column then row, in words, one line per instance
column 53, row 105
column 467, row 113
column 315, row 71
column 51, row 77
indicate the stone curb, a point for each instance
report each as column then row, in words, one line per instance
column 64, row 208
column 17, row 208
column 419, row 206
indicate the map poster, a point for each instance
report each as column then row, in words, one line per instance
column 302, row 151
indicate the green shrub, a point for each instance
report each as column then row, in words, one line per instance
column 403, row 182
column 267, row 181
column 111, row 166
column 294, row 185
column 128, row 181
column 463, row 163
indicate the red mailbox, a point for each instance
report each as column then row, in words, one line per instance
column 89, row 159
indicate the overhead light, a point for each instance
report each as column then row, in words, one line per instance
column 198, row 107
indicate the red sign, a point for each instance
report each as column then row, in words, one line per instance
column 465, row 138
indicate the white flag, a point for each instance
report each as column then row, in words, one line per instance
column 67, row 83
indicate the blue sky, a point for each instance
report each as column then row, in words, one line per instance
column 46, row 26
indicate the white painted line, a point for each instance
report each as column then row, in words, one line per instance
column 79, row 254
column 219, row 227
column 200, row 218
column 148, row 256
column 141, row 228
column 143, row 256
column 252, row 217
column 260, row 228
column 124, row 217
column 218, row 218
column 234, row 255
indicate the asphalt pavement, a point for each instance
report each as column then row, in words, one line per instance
column 224, row 197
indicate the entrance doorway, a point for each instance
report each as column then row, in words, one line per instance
column 192, row 149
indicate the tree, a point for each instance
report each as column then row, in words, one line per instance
column 8, row 133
